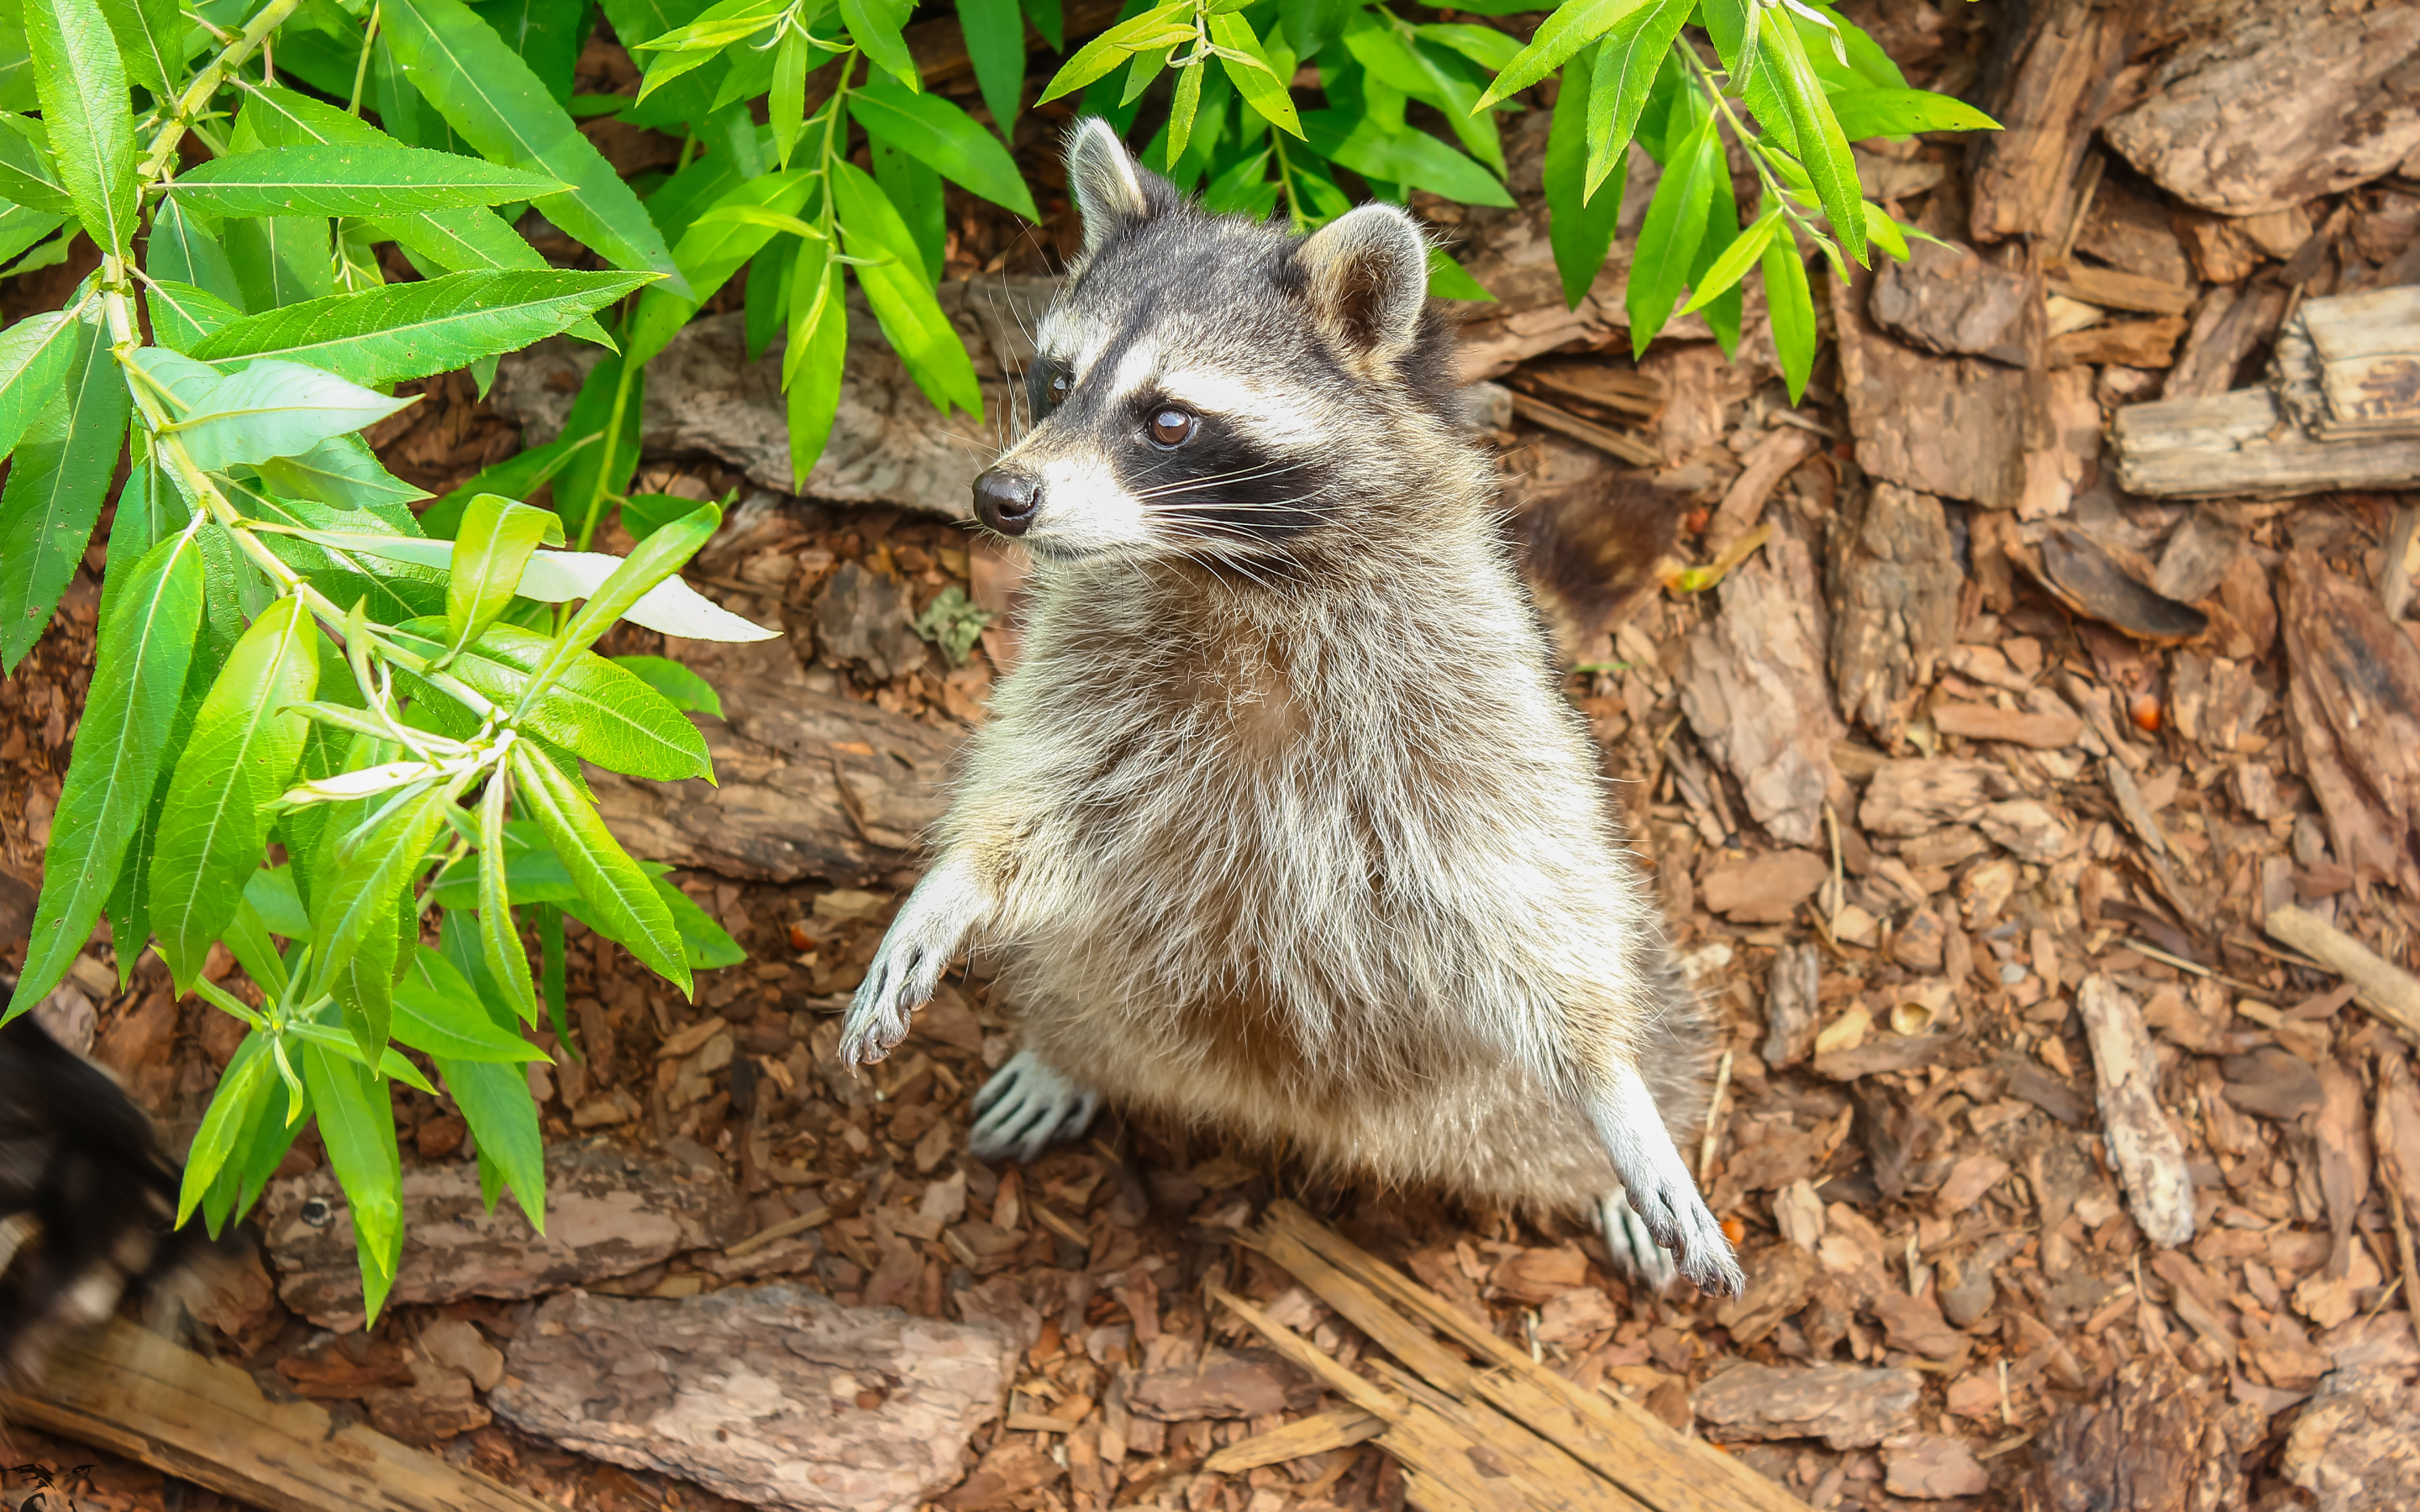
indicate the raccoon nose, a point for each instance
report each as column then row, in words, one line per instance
column 1007, row 502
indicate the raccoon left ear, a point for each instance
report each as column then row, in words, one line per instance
column 1107, row 184
column 1368, row 271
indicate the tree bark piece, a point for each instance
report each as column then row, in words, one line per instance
column 810, row 784
column 2150, row 1158
column 1339, row 1428
column 2153, row 1441
column 609, row 1212
column 134, row 1394
column 1752, row 685
column 1894, row 583
column 1950, row 426
column 1845, row 1406
column 2064, row 60
column 2356, row 1445
column 2241, row 445
column 2276, row 105
column 1948, row 301
column 1790, row 1009
column 2354, row 702
column 773, row 1394
column 2349, row 367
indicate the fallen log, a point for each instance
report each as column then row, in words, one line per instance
column 136, row 1394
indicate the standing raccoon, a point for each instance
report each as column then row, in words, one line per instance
column 1282, row 823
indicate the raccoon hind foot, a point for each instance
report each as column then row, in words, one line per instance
column 1025, row 1107
column 1637, row 1257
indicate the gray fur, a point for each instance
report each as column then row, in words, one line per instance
column 1282, row 825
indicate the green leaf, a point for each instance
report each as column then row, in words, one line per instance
column 814, row 363
column 684, row 689
column 238, row 758
column 717, row 27
column 272, row 894
column 1733, row 265
column 508, row 958
column 55, row 488
column 1627, row 64
column 546, row 35
column 1668, row 242
column 357, row 1126
column 1870, row 112
column 916, row 193
column 902, row 301
column 180, row 251
column 1161, row 27
column 343, row 471
column 1180, row 113
column 1045, row 14
column 874, row 28
column 1822, row 149
column 1792, row 308
column 1263, row 89
column 36, row 354
column 1400, row 156
column 592, row 708
column 81, row 83
column 937, row 133
column 407, row 331
column 495, row 1103
column 242, row 1088
column 1488, row 48
column 281, row 260
column 361, row 900
column 1574, row 25
column 144, row 646
column 785, row 102
column 151, row 41
column 26, row 177
column 610, row 885
column 1723, row 312
column 1579, row 228
column 275, row 409
column 349, row 180
column 995, row 34
column 182, row 317
column 438, row 1011
column 490, row 549
column 487, row 93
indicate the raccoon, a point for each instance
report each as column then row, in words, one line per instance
column 87, row 1200
column 1282, row 824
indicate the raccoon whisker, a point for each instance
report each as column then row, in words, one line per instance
column 1240, row 475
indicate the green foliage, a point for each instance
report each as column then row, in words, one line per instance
column 289, row 659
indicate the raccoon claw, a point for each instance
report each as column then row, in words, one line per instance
column 1678, row 1220
column 1635, row 1254
column 1025, row 1107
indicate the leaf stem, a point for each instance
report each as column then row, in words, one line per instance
column 362, row 68
column 197, row 95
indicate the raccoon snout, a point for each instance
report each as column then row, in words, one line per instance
column 1007, row 502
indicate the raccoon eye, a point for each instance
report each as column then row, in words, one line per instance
column 1171, row 427
column 1058, row 387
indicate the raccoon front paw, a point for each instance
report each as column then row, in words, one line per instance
column 906, row 968
column 1637, row 1257
column 1025, row 1107
column 1657, row 1185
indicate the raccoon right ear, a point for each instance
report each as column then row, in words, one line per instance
column 1368, row 276
column 1108, row 186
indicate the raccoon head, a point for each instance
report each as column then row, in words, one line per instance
column 1211, row 387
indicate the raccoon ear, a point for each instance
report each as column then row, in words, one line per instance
column 1108, row 187
column 1368, row 274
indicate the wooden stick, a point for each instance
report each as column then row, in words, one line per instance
column 2377, row 984
column 134, row 1394
column 1618, row 1439
column 1339, row 1428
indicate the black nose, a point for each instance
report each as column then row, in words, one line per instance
column 1007, row 502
